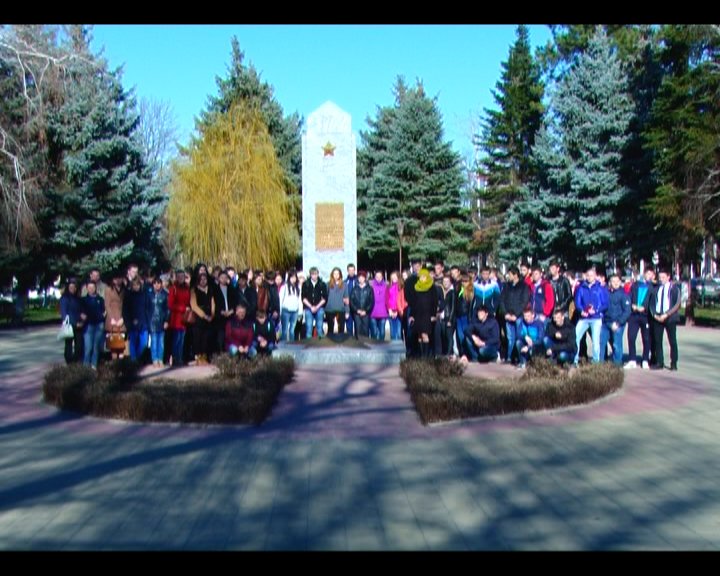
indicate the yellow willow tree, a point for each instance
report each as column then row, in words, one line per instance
column 228, row 201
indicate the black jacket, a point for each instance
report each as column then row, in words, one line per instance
column 232, row 300
column 449, row 307
column 563, row 292
column 674, row 316
column 566, row 342
column 314, row 294
column 274, row 299
column 248, row 296
column 362, row 299
column 488, row 331
column 514, row 298
column 645, row 303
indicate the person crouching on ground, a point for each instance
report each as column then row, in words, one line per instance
column 559, row 339
column 482, row 337
column 531, row 332
column 239, row 334
column 264, row 335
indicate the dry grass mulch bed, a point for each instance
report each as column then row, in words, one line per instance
column 441, row 392
column 241, row 392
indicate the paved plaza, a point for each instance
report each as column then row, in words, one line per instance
column 344, row 464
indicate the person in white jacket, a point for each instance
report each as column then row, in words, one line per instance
column 290, row 306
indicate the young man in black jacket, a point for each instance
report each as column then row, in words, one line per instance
column 482, row 337
column 640, row 293
column 513, row 301
column 314, row 295
column 561, row 287
column 560, row 338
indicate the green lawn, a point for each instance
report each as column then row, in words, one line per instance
column 708, row 316
column 35, row 315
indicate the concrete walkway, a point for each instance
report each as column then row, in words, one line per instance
column 344, row 464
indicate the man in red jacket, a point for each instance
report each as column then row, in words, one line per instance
column 179, row 304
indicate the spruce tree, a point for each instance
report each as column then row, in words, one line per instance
column 105, row 213
column 413, row 199
column 508, row 136
column 579, row 158
column 372, row 152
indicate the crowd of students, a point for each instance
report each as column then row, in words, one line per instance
column 181, row 317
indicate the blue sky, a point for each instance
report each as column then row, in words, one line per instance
column 353, row 65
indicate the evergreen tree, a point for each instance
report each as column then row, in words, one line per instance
column 413, row 200
column 637, row 48
column 508, row 136
column 518, row 240
column 244, row 84
column 685, row 137
column 373, row 151
column 579, row 158
column 105, row 212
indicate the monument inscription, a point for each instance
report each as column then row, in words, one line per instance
column 329, row 226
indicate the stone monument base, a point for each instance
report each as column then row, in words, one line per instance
column 342, row 349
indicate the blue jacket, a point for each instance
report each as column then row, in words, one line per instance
column 488, row 331
column 487, row 295
column 536, row 331
column 618, row 307
column 595, row 295
column 70, row 306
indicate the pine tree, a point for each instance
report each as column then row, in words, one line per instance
column 579, row 158
column 244, row 84
column 508, row 136
column 684, row 135
column 229, row 201
column 413, row 198
column 105, row 213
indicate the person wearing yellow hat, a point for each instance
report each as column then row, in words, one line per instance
column 424, row 310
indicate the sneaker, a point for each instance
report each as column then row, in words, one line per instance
column 498, row 360
column 631, row 365
column 645, row 365
column 520, row 366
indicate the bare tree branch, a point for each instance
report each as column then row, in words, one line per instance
column 158, row 133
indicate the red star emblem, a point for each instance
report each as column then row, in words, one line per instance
column 328, row 149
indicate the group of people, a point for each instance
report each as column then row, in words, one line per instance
column 485, row 317
column 531, row 314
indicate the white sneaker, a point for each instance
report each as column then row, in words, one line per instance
column 645, row 365
column 498, row 360
column 631, row 365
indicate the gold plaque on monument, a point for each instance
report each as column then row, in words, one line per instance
column 329, row 226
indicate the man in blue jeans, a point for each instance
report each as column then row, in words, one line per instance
column 314, row 297
column 591, row 299
column 350, row 282
column 514, row 299
column 615, row 320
